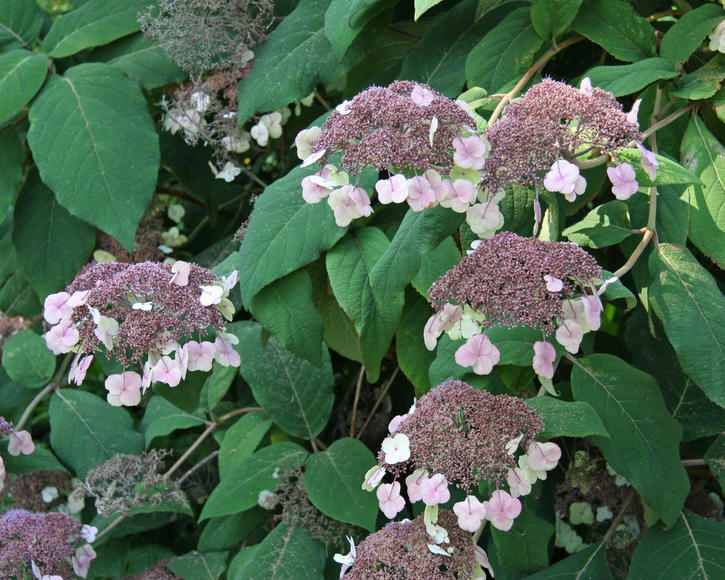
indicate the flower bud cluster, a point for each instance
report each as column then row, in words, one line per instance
column 142, row 311
column 426, row 142
column 513, row 281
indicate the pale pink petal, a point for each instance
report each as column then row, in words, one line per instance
column 471, row 512
column 478, row 352
column 435, row 490
column 389, row 499
column 20, row 442
column 501, row 510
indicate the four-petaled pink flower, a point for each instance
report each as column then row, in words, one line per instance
column 543, row 456
column 414, row 484
column 200, row 355
column 624, row 181
column 348, row 203
column 225, row 353
column 396, row 448
column 317, row 187
column 484, row 219
column 442, row 321
column 479, row 353
column 166, row 371
column 501, row 510
column 470, row 512
column 470, row 152
column 62, row 337
column 389, row 499
column 421, row 96
column 553, row 284
column 518, row 481
column 563, row 177
column 421, row 194
column 123, row 389
column 56, row 308
column 392, row 190
column 569, row 335
column 460, row 194
column 20, row 442
column 592, row 310
column 544, row 355
column 82, row 560
column 435, row 489
column 649, row 162
column 211, row 294
column 181, row 272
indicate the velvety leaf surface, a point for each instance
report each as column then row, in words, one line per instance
column 162, row 418
column 686, row 35
column 414, row 358
column 241, row 440
column 604, row 226
column 567, row 419
column 199, row 565
column 27, row 360
column 552, row 17
column 12, row 154
column 626, row 79
column 20, row 24
column 524, row 548
column 422, row 6
column 21, row 75
column 589, row 563
column 344, row 20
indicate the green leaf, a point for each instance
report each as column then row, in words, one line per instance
column 630, row 78
column 285, row 308
column 552, row 17
column 293, row 392
column 162, row 418
column 434, row 264
column 338, row 331
column 689, row 303
column 590, row 563
column 226, row 532
column 239, row 489
column 617, row 290
column 692, row 548
column 504, row 54
column 95, row 145
column 644, row 444
column 419, row 233
column 414, row 358
column 702, row 83
column 290, row 63
column 565, row 419
column 199, row 566
column 284, row 234
column 20, row 24
column 349, row 265
column 333, row 480
column 12, row 155
column 516, row 345
column 216, row 386
column 517, row 207
column 715, row 458
column 39, row 460
column 27, row 359
column 50, row 244
column 85, row 431
column 241, row 440
column 525, row 547
column 422, row 6
column 94, row 23
column 604, row 226
column 185, row 398
column 287, row 553
column 439, row 58
column 344, row 19
column 687, row 34
column 21, row 75
column 699, row 147
column 614, row 25
column 669, row 172
column 141, row 59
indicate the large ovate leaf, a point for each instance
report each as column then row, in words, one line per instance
column 285, row 308
column 51, row 245
column 197, row 565
column 687, row 34
column 702, row 83
column 524, row 548
column 422, row 6
column 626, row 79
column 644, row 444
column 414, row 358
column 12, row 154
column 589, row 563
column 85, row 430
column 689, row 303
column 692, row 548
column 21, row 75
column 293, row 392
column 227, row 531
column 614, row 25
column 605, row 225
column 333, row 480
column 241, row 440
column 27, row 359
column 239, row 489
column 344, row 19
column 289, row 552
column 567, row 419
column 162, row 418
column 434, row 264
column 504, row 54
column 20, row 24
column 95, row 120
column 289, row 64
column 94, row 23
column 349, row 265
column 669, row 172
column 715, row 458
column 552, row 17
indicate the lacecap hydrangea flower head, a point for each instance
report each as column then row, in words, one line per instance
column 139, row 314
column 426, row 142
column 513, row 281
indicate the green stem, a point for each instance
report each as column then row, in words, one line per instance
column 54, row 384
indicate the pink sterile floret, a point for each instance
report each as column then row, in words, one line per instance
column 479, row 353
column 501, row 510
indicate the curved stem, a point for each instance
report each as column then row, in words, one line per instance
column 377, row 402
column 54, row 384
column 357, row 398
column 109, row 528
column 533, row 69
column 667, row 120
column 620, row 515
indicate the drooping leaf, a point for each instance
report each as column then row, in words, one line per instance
column 140, row 59
column 12, row 155
column 702, row 83
column 239, row 489
column 226, row 532
column 503, row 54
column 197, row 565
column 162, row 418
column 687, row 34
column 689, row 303
column 287, row 553
column 241, row 440
column 21, row 75
column 333, row 480
column 567, row 419
column 617, row 28
column 552, row 17
column 626, row 79
column 216, row 386
column 589, row 563
column 293, row 392
column 414, row 358
column 285, row 308
column 604, row 226
column 434, row 264
column 644, row 444
column 349, row 265
column 20, row 24
column 51, row 245
column 27, row 359
column 94, row 23
column 524, row 548
column 344, row 19
column 95, row 120
column 691, row 548
column 85, row 430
